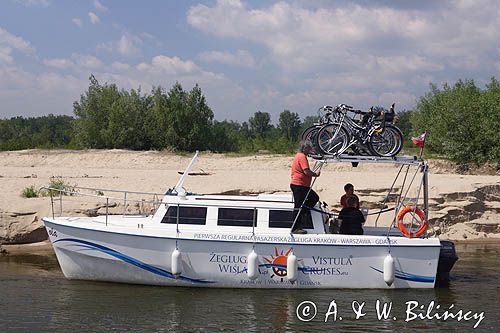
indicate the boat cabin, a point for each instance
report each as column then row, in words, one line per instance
column 259, row 214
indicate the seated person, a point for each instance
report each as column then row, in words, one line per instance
column 351, row 218
column 349, row 191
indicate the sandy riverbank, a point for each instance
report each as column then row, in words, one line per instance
column 464, row 207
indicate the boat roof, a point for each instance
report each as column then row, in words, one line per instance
column 255, row 201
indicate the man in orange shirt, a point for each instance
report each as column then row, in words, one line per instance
column 300, row 185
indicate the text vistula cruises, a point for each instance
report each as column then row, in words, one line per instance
column 246, row 242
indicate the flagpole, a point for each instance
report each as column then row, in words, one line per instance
column 423, row 145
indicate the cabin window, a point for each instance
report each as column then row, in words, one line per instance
column 280, row 218
column 187, row 215
column 284, row 219
column 236, row 217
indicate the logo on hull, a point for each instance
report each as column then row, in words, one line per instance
column 278, row 263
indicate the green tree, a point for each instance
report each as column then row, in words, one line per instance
column 403, row 121
column 92, row 114
column 126, row 122
column 157, row 118
column 260, row 124
column 461, row 121
column 289, row 125
column 36, row 132
column 190, row 119
column 200, row 119
column 489, row 106
column 225, row 136
column 176, row 133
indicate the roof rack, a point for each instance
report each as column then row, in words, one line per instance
column 355, row 159
column 418, row 162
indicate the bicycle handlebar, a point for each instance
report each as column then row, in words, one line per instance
column 348, row 108
column 326, row 108
column 344, row 106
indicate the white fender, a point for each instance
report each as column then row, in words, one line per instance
column 291, row 267
column 253, row 265
column 176, row 263
column 389, row 270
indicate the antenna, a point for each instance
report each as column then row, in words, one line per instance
column 178, row 188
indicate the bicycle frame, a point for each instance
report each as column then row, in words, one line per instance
column 356, row 133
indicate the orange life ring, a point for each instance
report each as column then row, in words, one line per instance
column 423, row 227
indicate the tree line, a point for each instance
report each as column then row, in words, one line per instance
column 461, row 120
column 108, row 117
column 36, row 132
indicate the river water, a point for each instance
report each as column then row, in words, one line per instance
column 35, row 296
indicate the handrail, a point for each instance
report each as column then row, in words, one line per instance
column 107, row 198
column 154, row 194
column 98, row 196
column 242, row 200
column 187, row 204
column 117, row 191
column 160, row 202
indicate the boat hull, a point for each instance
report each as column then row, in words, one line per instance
column 345, row 262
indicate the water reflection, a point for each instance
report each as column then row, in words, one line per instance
column 36, row 297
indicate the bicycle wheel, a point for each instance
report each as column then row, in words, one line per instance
column 332, row 139
column 309, row 132
column 310, row 135
column 387, row 143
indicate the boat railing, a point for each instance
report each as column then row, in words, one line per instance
column 419, row 163
column 224, row 205
column 116, row 191
column 344, row 158
column 57, row 194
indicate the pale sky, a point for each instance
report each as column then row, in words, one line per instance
column 247, row 56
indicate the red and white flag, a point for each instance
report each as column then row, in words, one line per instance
column 419, row 141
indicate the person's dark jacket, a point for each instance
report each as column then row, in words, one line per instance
column 352, row 220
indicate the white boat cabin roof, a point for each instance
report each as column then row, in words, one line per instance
column 260, row 213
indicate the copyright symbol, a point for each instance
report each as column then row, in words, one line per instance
column 306, row 311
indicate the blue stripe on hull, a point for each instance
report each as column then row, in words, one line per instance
column 129, row 260
column 409, row 277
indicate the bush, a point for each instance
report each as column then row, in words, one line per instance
column 30, row 192
column 56, row 185
column 461, row 121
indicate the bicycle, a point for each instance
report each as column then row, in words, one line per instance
column 374, row 134
column 325, row 114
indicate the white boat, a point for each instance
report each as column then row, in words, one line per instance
column 240, row 242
